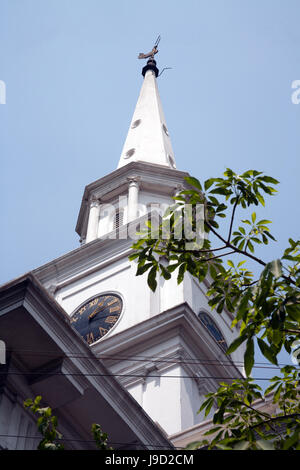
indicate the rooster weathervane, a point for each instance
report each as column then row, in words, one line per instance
column 152, row 53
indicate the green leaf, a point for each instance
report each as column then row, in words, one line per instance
column 208, row 183
column 209, row 407
column 193, row 445
column 249, row 356
column 152, row 283
column 264, row 221
column 276, row 395
column 292, row 440
column 193, row 182
column 181, row 272
column 241, row 245
column 293, row 311
column 222, row 191
column 242, row 445
column 267, row 351
column 142, row 269
column 260, row 198
column 172, row 267
column 213, row 200
column 166, row 274
column 265, row 445
column 133, row 256
column 269, row 179
column 139, row 243
column 236, row 343
column 250, row 246
column 241, row 263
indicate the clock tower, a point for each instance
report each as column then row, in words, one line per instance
column 166, row 348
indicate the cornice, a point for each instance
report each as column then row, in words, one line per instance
column 178, row 321
column 82, row 261
column 116, row 182
column 87, row 259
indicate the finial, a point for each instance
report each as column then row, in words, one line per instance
column 151, row 63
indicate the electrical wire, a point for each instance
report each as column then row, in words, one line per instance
column 90, row 441
column 154, row 359
column 83, row 374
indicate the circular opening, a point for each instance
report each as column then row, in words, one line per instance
column 136, row 123
column 129, row 153
column 165, row 129
column 171, row 161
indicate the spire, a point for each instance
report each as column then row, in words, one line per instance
column 148, row 138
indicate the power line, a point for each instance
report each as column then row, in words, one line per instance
column 75, row 374
column 206, row 361
column 90, row 441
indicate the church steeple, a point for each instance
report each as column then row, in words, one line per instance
column 148, row 137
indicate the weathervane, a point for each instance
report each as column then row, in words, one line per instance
column 152, row 53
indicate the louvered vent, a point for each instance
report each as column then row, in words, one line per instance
column 118, row 219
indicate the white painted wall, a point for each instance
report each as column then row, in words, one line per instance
column 118, row 277
column 15, row 421
column 162, row 400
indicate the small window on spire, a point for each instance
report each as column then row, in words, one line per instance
column 136, row 123
column 171, row 161
column 129, row 153
column 165, row 129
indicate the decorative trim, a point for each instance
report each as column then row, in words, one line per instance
column 94, row 202
column 134, row 181
column 52, row 289
column 114, row 182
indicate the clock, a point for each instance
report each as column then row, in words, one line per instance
column 213, row 329
column 97, row 316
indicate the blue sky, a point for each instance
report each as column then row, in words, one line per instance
column 72, row 80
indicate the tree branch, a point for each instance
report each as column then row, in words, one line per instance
column 295, row 332
column 229, row 245
column 275, row 418
column 220, row 256
column 232, row 218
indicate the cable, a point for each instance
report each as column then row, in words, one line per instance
column 75, row 374
column 262, row 365
column 72, row 354
column 89, row 440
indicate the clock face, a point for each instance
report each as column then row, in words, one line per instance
column 97, row 316
column 213, row 329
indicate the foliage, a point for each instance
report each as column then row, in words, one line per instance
column 47, row 426
column 240, row 425
column 100, row 437
column 266, row 310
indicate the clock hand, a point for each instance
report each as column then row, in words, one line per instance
column 97, row 310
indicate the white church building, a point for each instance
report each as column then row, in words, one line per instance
column 91, row 337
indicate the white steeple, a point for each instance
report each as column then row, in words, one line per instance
column 148, row 138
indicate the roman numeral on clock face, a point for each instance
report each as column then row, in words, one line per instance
column 97, row 316
column 102, row 330
column 90, row 338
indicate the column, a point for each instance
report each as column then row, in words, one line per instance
column 93, row 223
column 133, row 198
column 177, row 190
